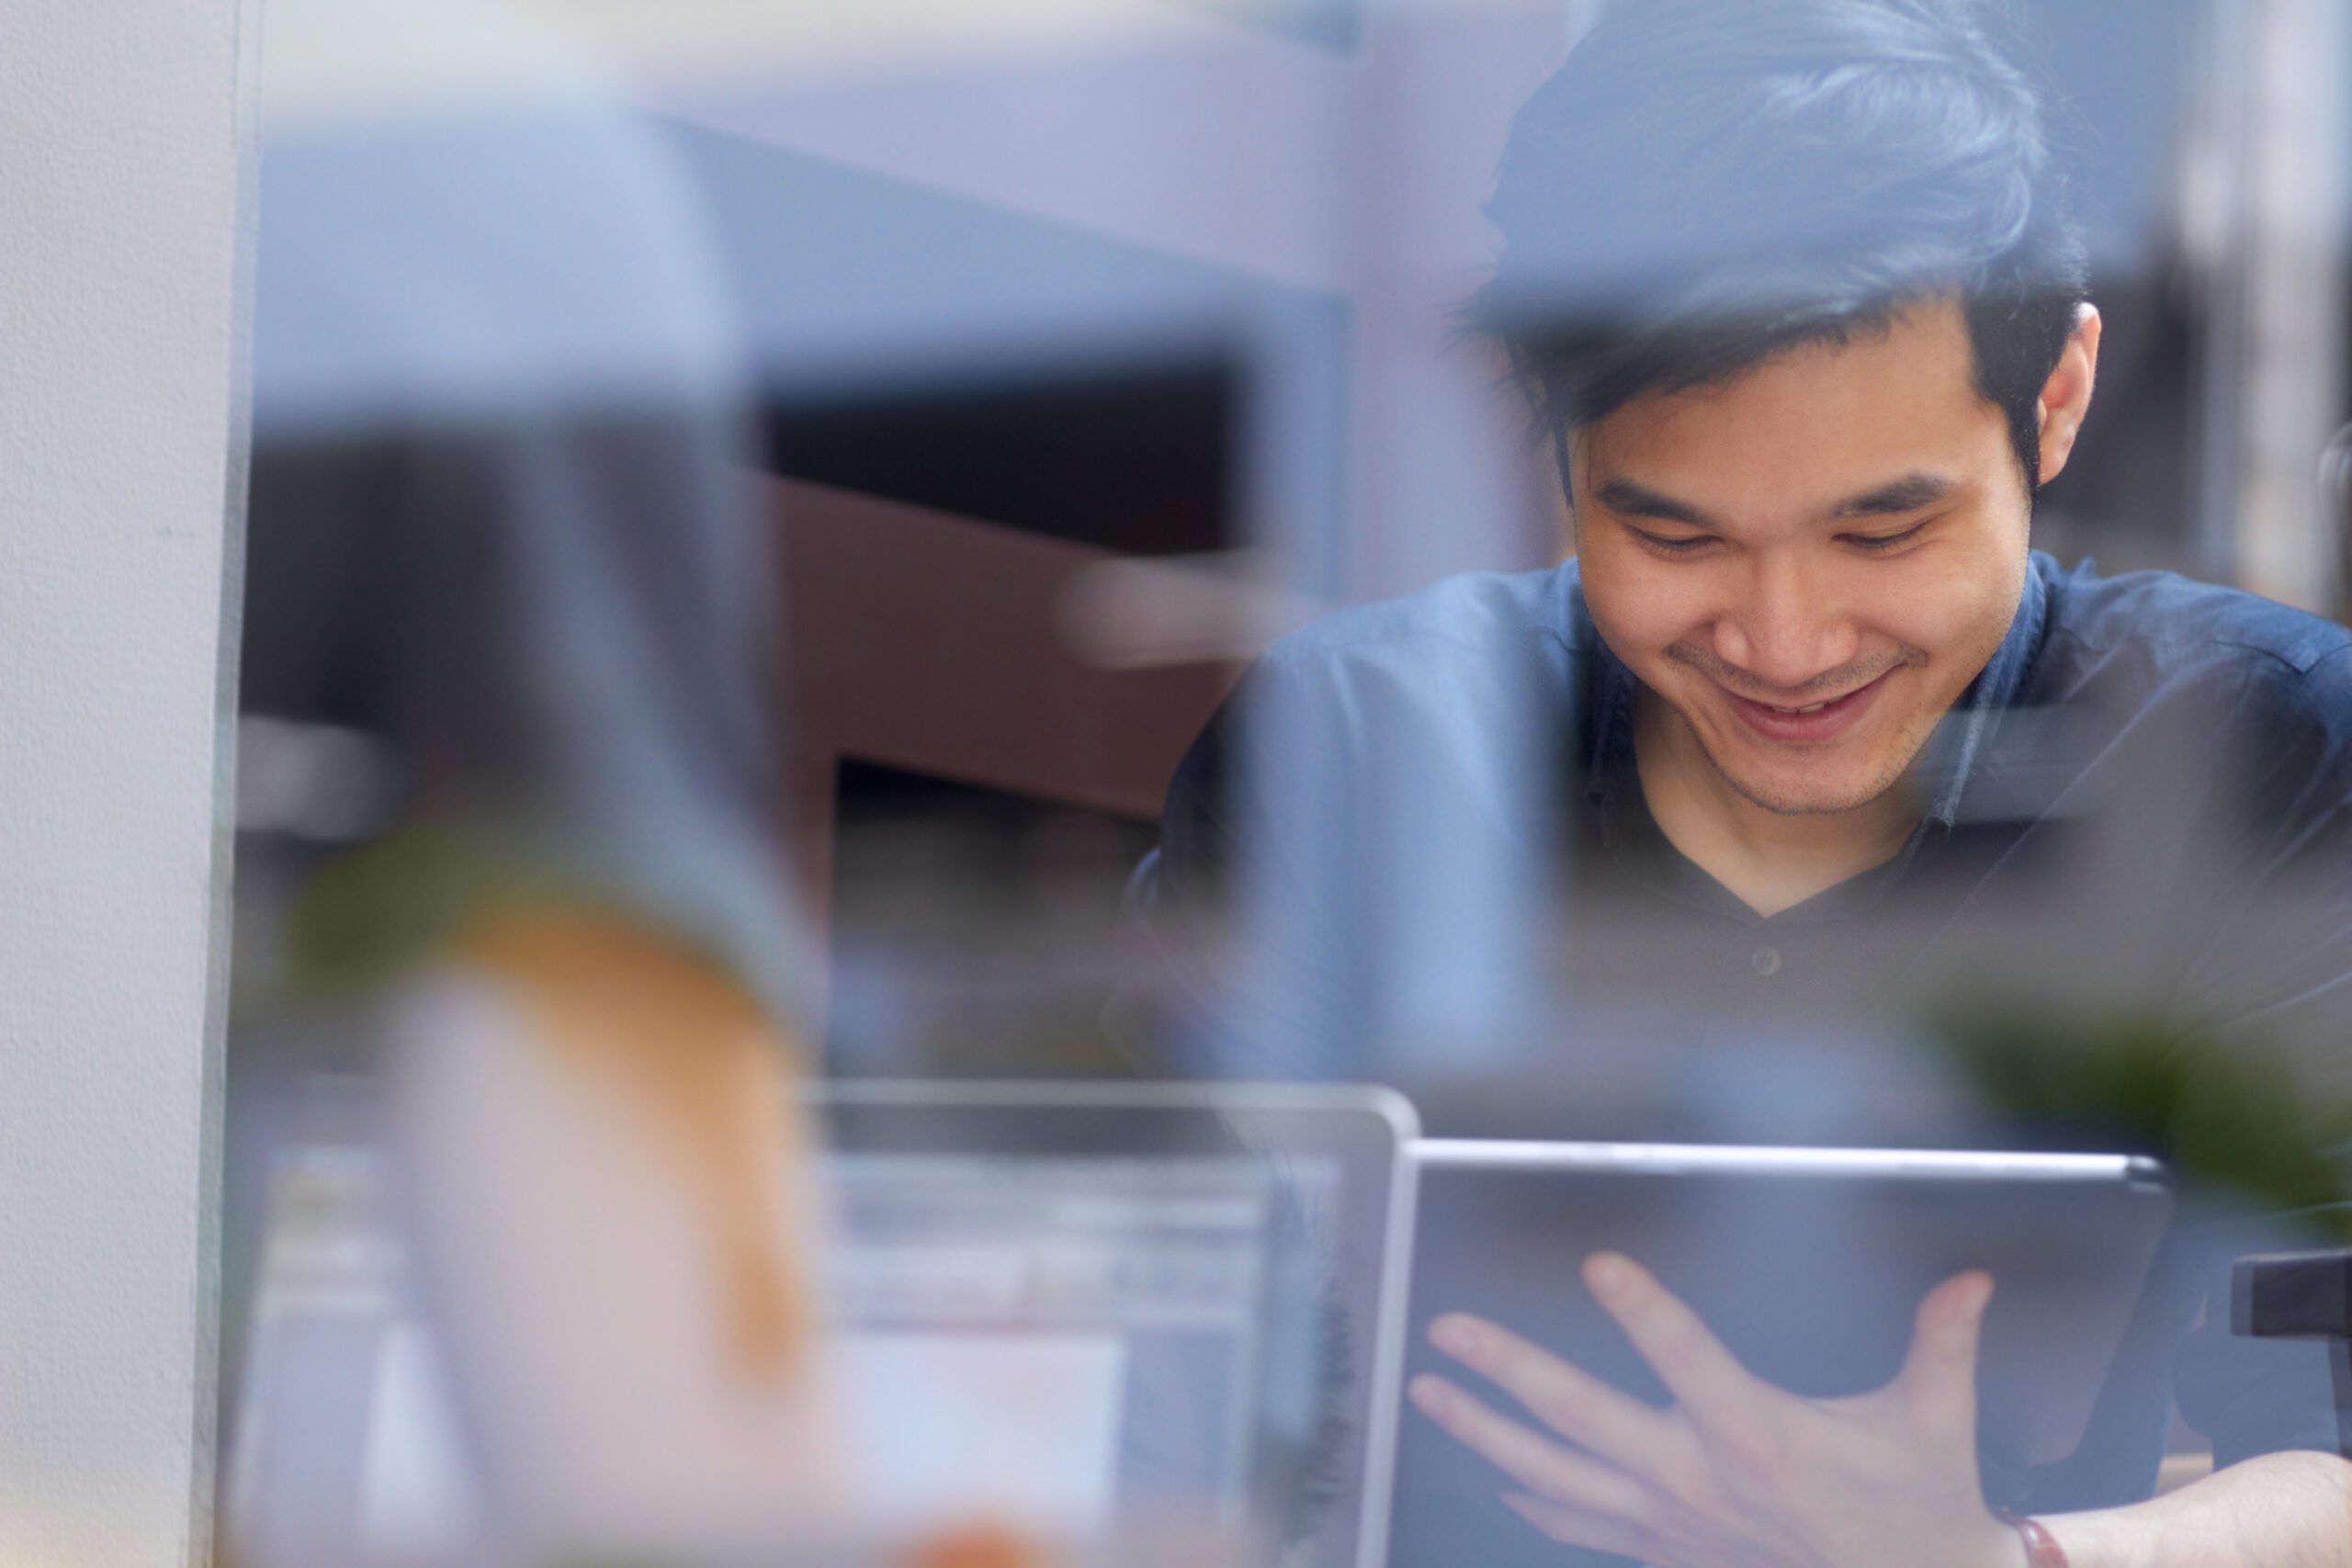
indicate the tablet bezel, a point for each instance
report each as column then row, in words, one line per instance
column 1501, row 1154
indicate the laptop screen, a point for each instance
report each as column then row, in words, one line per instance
column 1070, row 1341
column 1086, row 1338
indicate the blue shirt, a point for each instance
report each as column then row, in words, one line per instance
column 2134, row 848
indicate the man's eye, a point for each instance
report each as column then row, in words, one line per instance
column 1885, row 541
column 1673, row 545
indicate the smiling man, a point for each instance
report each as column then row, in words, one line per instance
column 1809, row 733
column 1803, row 567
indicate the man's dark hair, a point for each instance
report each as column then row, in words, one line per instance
column 1707, row 183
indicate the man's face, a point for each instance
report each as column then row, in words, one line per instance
column 1809, row 563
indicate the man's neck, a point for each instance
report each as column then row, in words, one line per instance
column 1769, row 860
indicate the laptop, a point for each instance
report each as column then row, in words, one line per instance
column 1096, row 1304
column 1099, row 1315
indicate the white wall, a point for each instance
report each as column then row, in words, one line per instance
column 121, row 137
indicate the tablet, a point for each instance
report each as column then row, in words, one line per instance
column 1087, row 1305
column 1808, row 1264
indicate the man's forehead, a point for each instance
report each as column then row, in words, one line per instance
column 1814, row 424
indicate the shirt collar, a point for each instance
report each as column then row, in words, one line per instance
column 1956, row 755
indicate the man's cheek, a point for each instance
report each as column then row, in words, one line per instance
column 1953, row 617
column 1641, row 614
column 1961, row 635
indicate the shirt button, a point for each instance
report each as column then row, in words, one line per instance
column 1767, row 961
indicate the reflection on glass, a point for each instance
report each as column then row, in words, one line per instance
column 1537, row 555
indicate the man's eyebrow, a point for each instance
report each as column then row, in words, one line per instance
column 1908, row 493
column 1632, row 498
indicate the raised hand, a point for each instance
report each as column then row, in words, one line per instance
column 1737, row 1473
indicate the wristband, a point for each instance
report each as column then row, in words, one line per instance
column 2041, row 1547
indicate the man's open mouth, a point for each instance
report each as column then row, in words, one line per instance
column 1820, row 721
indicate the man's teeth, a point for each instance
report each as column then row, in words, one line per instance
column 1816, row 708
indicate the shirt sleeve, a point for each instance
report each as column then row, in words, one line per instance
column 2274, row 961
column 1242, row 906
column 2270, row 989
column 1362, row 840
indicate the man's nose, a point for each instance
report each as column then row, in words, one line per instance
column 1785, row 625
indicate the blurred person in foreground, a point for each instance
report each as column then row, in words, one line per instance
column 507, row 860
column 1801, row 310
column 508, row 774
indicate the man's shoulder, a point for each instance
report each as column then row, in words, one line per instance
column 1452, row 686
column 1471, row 619
column 2188, row 628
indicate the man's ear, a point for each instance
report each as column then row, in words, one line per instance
column 2066, row 397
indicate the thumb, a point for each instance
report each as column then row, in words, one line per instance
column 1939, row 1377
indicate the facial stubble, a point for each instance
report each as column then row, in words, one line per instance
column 1846, row 679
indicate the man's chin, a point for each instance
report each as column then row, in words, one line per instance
column 1793, row 804
column 1820, row 794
